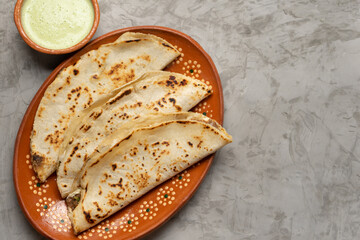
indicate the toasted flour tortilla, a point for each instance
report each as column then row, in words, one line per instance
column 93, row 77
column 132, row 165
column 154, row 92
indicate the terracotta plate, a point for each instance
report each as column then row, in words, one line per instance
column 42, row 203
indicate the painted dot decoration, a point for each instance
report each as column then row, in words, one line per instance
column 36, row 187
column 28, row 161
column 105, row 230
column 180, row 58
column 128, row 222
column 166, row 195
column 55, row 212
column 43, row 205
column 148, row 210
column 182, row 180
column 192, row 69
column 204, row 108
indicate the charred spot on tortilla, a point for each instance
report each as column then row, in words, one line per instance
column 171, row 83
column 59, row 88
column 160, row 104
column 183, row 82
column 119, row 184
column 166, row 45
column 114, row 166
column 68, row 160
column 117, row 67
column 88, row 217
column 95, row 115
column 86, row 128
column 154, row 144
column 74, row 90
column 53, row 138
column 97, row 206
column 74, row 150
column 134, row 40
column 36, row 159
column 41, row 109
column 95, row 163
column 127, row 92
column 68, row 80
column 76, row 72
column 173, row 101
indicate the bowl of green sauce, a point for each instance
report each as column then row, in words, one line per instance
column 56, row 26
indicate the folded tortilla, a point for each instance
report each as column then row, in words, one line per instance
column 132, row 165
column 154, row 92
column 93, row 77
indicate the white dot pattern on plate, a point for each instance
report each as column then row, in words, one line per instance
column 36, row 187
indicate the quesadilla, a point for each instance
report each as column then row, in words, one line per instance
column 93, row 77
column 138, row 162
column 158, row 91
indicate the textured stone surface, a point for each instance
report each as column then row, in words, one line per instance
column 290, row 73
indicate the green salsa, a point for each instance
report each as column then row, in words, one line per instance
column 57, row 24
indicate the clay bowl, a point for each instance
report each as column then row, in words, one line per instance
column 32, row 44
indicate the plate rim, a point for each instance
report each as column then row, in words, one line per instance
column 47, row 82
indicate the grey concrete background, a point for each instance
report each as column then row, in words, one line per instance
column 290, row 70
